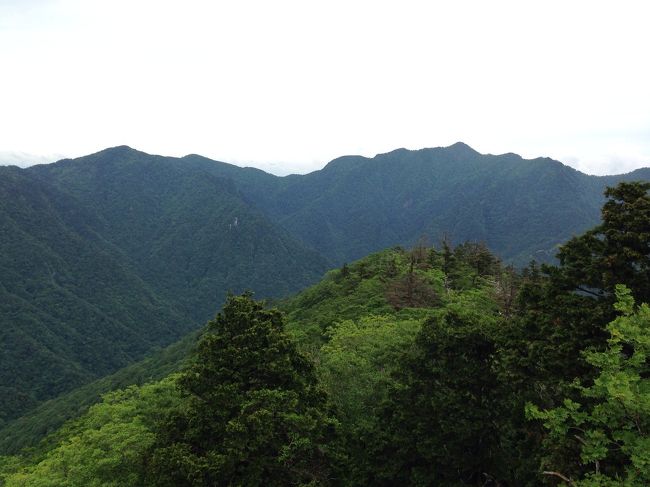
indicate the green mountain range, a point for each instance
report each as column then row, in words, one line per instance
column 522, row 209
column 106, row 257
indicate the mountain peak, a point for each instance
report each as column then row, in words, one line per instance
column 461, row 148
column 343, row 163
column 119, row 150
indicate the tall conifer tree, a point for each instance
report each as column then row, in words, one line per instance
column 254, row 414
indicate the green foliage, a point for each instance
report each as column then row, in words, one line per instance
column 254, row 414
column 563, row 310
column 186, row 228
column 71, row 308
column 560, row 311
column 377, row 364
column 356, row 369
column 424, row 359
column 107, row 257
column 367, row 340
column 441, row 422
column 30, row 428
column 107, row 446
column 349, row 293
column 618, row 250
column 611, row 424
column 357, row 362
column 522, row 209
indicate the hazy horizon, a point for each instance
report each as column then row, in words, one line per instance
column 287, row 86
column 23, row 160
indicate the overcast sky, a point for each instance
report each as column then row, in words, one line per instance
column 289, row 85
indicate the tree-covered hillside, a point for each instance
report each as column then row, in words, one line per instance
column 381, row 284
column 103, row 260
column 71, row 308
column 427, row 366
column 383, row 300
column 27, row 430
column 190, row 233
column 108, row 256
column 522, row 209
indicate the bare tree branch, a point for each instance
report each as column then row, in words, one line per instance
column 597, row 294
column 558, row 474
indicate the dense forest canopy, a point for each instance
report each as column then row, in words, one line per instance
column 420, row 365
column 106, row 258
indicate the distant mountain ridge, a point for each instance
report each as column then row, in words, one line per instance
column 356, row 205
column 109, row 255
column 175, row 219
column 106, row 257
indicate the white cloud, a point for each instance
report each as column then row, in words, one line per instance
column 23, row 159
column 296, row 83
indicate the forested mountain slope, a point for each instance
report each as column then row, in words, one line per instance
column 104, row 259
column 188, row 231
column 406, row 286
column 71, row 308
column 47, row 417
column 428, row 366
column 380, row 284
column 522, row 209
column 109, row 255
